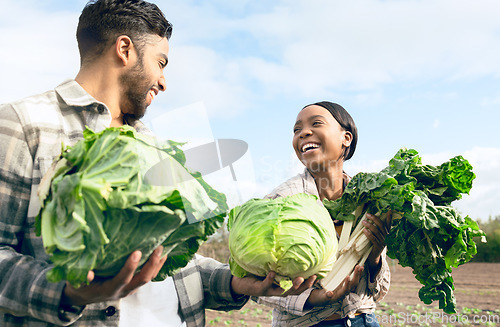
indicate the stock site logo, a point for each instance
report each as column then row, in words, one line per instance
column 224, row 163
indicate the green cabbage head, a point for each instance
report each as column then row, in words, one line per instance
column 118, row 191
column 292, row 236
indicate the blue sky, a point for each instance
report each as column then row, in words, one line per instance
column 419, row 74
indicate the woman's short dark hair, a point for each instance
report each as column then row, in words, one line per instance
column 345, row 120
column 102, row 21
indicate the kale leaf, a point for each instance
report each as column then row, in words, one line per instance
column 427, row 233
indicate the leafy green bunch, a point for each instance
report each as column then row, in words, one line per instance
column 115, row 192
column 428, row 234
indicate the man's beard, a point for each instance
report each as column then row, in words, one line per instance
column 136, row 91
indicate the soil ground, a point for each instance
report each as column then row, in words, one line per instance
column 477, row 290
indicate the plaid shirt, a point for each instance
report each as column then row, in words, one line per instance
column 32, row 132
column 289, row 311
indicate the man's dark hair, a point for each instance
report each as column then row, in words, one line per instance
column 103, row 21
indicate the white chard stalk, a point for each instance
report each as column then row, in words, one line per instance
column 354, row 248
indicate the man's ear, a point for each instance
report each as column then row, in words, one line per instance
column 124, row 49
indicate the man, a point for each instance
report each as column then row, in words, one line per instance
column 124, row 49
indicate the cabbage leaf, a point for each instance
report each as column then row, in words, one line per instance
column 118, row 191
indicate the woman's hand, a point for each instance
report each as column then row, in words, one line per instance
column 321, row 297
column 257, row 286
column 376, row 231
column 123, row 284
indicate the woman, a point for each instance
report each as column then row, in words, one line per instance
column 325, row 136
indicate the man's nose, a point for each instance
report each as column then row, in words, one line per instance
column 162, row 84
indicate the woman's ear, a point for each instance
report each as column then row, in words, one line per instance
column 124, row 48
column 347, row 139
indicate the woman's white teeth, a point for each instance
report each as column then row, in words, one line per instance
column 309, row 146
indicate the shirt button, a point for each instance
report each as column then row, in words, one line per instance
column 110, row 311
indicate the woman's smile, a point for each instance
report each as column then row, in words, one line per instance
column 309, row 147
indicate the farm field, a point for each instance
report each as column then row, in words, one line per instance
column 477, row 289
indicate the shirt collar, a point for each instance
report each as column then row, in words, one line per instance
column 310, row 183
column 73, row 94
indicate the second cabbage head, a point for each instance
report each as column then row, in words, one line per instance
column 292, row 236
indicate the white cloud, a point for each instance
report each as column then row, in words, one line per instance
column 483, row 200
column 39, row 49
column 322, row 48
column 326, row 44
column 491, row 101
column 197, row 73
column 304, row 49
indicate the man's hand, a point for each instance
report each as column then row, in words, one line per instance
column 321, row 297
column 256, row 286
column 123, row 284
